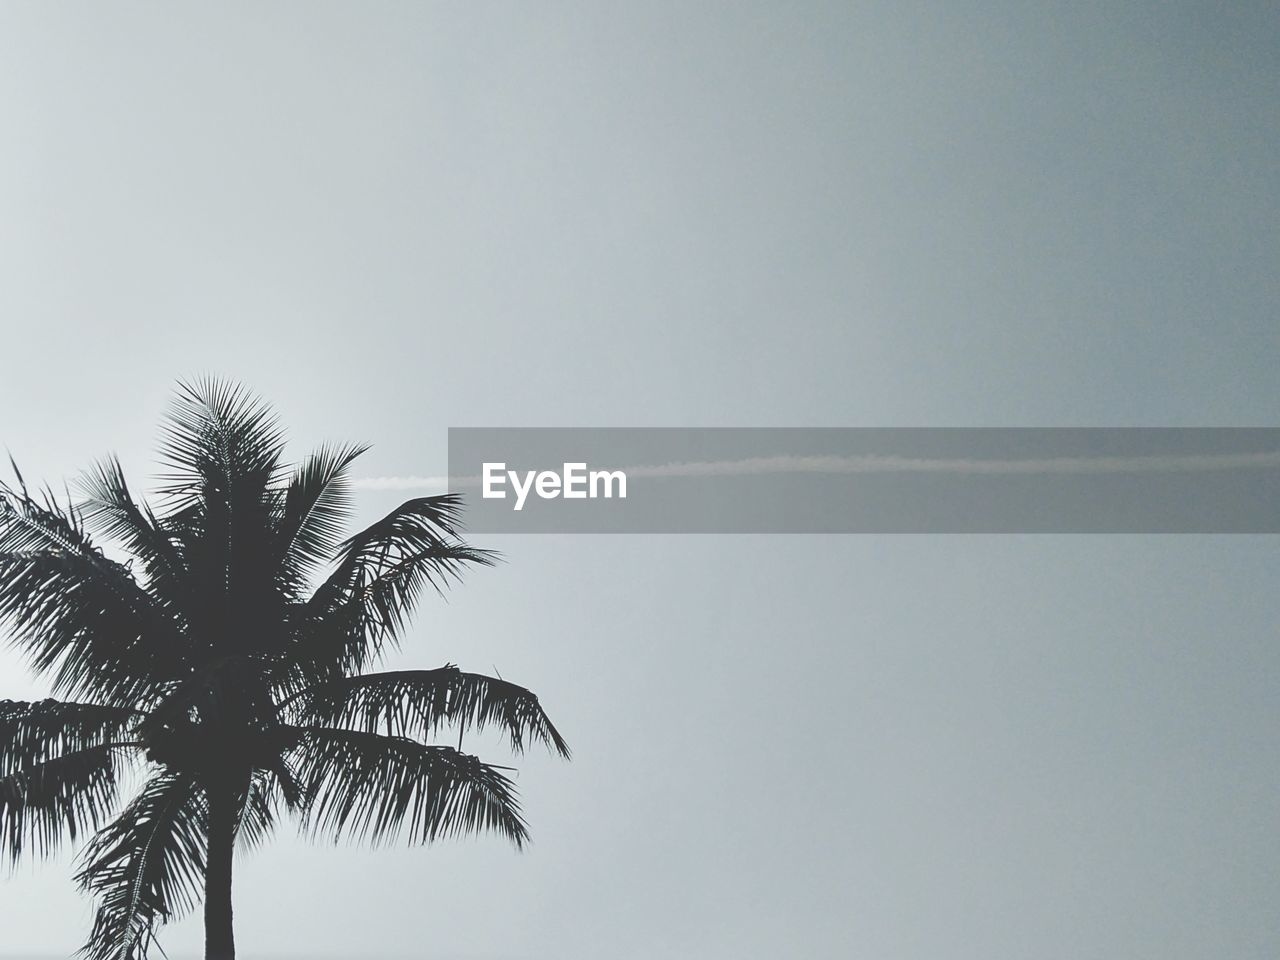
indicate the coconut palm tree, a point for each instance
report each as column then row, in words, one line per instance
column 224, row 666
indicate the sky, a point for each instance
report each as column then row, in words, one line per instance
column 394, row 218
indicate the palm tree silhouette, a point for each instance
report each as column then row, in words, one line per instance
column 210, row 664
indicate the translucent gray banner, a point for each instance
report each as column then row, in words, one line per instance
column 856, row 480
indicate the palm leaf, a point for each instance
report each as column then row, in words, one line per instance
column 370, row 786
column 317, row 503
column 272, row 787
column 77, row 613
column 417, row 703
column 83, row 620
column 220, row 443
column 34, row 732
column 67, row 795
column 145, row 867
column 108, row 506
column 381, row 572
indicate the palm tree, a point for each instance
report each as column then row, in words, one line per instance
column 227, row 664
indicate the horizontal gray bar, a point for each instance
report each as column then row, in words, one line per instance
column 868, row 480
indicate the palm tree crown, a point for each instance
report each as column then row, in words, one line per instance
column 228, row 662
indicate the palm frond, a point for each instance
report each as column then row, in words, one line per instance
column 366, row 601
column 32, row 732
column 145, row 867
column 83, row 620
column 31, row 523
column 67, row 795
column 108, row 505
column 74, row 609
column 417, row 703
column 220, row 443
column 368, row 786
column 271, row 787
column 224, row 447
column 317, row 503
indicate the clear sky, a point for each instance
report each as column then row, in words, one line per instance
column 395, row 218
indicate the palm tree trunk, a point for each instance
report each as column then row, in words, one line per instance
column 219, row 940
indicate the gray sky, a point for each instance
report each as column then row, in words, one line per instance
column 394, row 218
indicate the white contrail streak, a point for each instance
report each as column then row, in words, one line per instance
column 873, row 463
column 400, row 483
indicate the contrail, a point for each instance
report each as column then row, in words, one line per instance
column 876, row 463
column 400, row 483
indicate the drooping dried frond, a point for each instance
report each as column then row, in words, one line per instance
column 145, row 867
